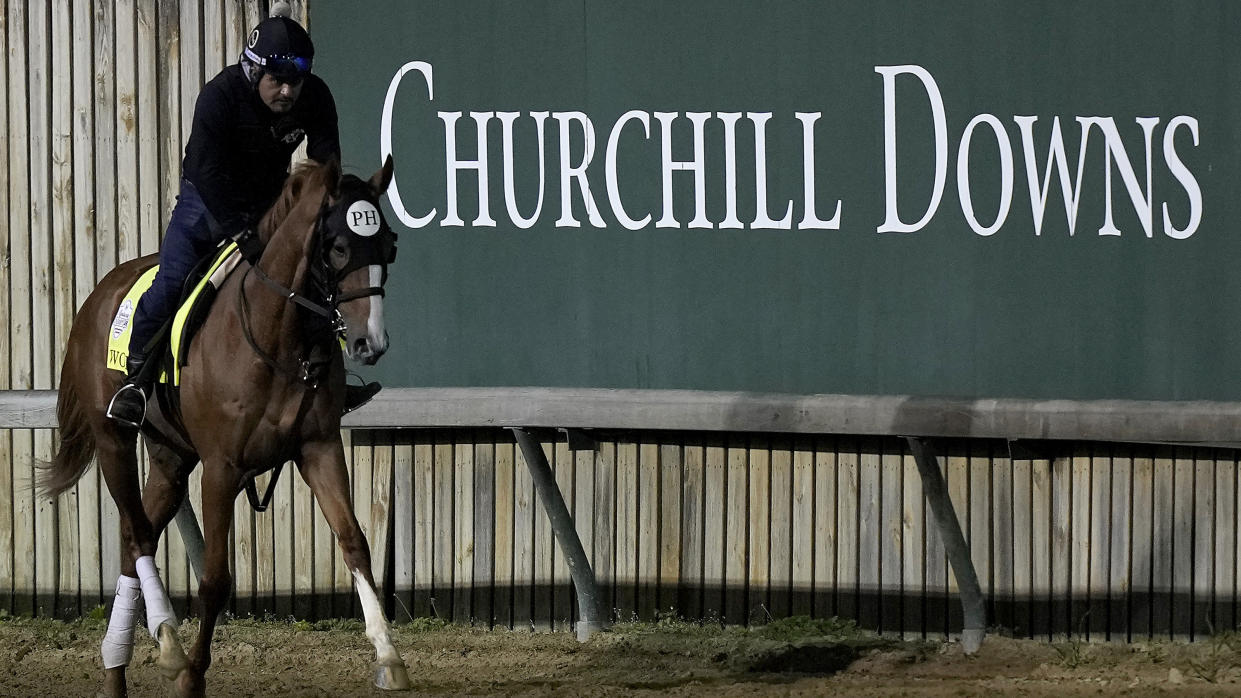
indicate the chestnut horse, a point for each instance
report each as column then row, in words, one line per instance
column 263, row 383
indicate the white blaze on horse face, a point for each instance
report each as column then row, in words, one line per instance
column 375, row 333
column 367, row 344
column 376, row 624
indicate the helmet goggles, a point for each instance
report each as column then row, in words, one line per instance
column 286, row 68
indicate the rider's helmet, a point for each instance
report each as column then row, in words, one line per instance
column 280, row 47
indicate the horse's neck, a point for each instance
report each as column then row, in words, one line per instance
column 285, row 261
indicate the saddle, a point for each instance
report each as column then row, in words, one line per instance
column 200, row 291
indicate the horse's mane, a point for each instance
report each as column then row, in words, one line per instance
column 306, row 175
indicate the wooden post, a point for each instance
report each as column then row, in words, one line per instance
column 502, row 553
column 484, row 528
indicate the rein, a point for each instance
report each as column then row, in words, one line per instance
column 290, row 294
column 310, row 368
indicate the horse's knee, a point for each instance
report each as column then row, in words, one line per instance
column 354, row 548
column 178, row 482
column 214, row 589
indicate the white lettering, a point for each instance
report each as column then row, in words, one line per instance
column 576, row 127
column 809, row 220
column 729, row 120
column 697, row 166
column 618, row 209
column 1006, row 174
column 510, row 194
column 1055, row 158
column 1144, row 206
column 453, row 165
column 761, row 218
column 1184, row 176
column 385, row 141
column 893, row 223
column 570, row 172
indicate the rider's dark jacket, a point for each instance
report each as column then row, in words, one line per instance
column 238, row 153
column 236, row 162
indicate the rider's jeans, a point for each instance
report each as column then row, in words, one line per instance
column 192, row 234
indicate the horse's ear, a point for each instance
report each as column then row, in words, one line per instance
column 382, row 178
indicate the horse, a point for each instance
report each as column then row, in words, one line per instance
column 262, row 384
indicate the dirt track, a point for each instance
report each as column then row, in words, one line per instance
column 48, row 658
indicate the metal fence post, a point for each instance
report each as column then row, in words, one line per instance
column 565, row 532
column 936, row 492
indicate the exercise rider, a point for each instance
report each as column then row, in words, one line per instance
column 247, row 122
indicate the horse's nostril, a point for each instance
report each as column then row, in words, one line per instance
column 361, row 347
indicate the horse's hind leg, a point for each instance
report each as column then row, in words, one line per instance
column 119, row 465
column 323, row 468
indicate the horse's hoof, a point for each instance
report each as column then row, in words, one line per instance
column 113, row 684
column 172, row 660
column 190, row 684
column 392, row 677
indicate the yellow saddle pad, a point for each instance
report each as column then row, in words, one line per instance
column 181, row 332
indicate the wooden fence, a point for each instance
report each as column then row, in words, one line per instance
column 1107, row 541
column 1103, row 541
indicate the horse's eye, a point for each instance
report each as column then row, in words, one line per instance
column 340, row 253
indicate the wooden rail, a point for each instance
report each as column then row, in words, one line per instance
column 1122, row 421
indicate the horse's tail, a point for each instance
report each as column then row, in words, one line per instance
column 77, row 444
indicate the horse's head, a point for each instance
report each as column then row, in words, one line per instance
column 355, row 247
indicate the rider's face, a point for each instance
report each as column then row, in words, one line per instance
column 279, row 96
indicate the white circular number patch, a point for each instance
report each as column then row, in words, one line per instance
column 363, row 218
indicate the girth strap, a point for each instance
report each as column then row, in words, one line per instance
column 252, row 491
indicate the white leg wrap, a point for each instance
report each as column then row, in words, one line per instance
column 118, row 642
column 376, row 624
column 159, row 607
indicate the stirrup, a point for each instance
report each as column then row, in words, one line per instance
column 125, row 414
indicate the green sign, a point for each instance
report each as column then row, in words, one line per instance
column 976, row 199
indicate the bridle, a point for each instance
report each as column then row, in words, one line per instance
column 377, row 247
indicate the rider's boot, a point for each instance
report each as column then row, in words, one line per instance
column 129, row 404
column 358, row 395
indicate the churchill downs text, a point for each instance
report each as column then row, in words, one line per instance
column 807, row 209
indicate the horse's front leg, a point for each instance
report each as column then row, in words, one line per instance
column 221, row 483
column 323, row 468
